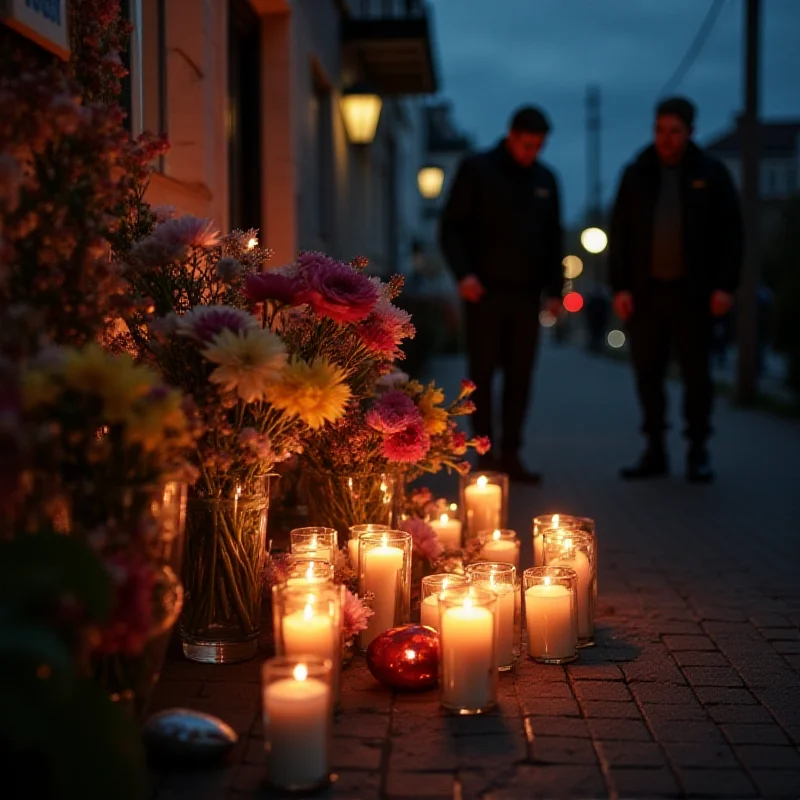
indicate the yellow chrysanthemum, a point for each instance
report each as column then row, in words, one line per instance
column 433, row 417
column 249, row 361
column 315, row 392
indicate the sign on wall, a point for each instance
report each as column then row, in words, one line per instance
column 42, row 21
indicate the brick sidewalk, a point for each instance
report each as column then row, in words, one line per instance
column 694, row 688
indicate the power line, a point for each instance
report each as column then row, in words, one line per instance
column 694, row 48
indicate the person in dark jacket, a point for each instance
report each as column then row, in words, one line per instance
column 501, row 236
column 675, row 252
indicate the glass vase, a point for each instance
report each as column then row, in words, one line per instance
column 223, row 571
column 341, row 500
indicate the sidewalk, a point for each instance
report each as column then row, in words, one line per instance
column 694, row 687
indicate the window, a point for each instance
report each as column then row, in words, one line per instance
column 244, row 116
column 322, row 130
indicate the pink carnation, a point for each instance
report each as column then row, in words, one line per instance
column 459, row 443
column 467, row 387
column 354, row 615
column 272, row 285
column 334, row 289
column 425, row 541
column 483, row 445
column 393, row 412
column 203, row 323
column 385, row 328
column 408, row 446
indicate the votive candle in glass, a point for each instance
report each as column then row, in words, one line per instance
column 297, row 704
column 432, row 587
column 448, row 531
column 355, row 532
column 500, row 545
column 309, row 573
column 501, row 579
column 575, row 549
column 468, row 642
column 316, row 543
column 551, row 614
column 484, row 501
column 384, row 580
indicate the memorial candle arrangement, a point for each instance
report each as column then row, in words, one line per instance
column 484, row 499
column 297, row 705
column 551, row 614
column 432, row 587
column 384, row 578
column 575, row 549
column 448, row 530
column 500, row 579
column 355, row 532
column 546, row 522
column 500, row 545
column 314, row 543
column 468, row 641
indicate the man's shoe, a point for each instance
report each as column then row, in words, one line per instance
column 652, row 464
column 698, row 466
column 517, row 471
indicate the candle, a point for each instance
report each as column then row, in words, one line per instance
column 312, row 550
column 548, row 615
column 484, row 503
column 540, row 523
column 352, row 552
column 382, row 567
column 579, row 561
column 429, row 611
column 506, row 607
column 448, row 530
column 468, row 656
column 310, row 575
column 307, row 633
column 501, row 549
column 296, row 718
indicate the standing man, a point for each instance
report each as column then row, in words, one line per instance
column 675, row 252
column 501, row 235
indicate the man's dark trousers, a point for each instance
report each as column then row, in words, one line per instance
column 666, row 316
column 502, row 334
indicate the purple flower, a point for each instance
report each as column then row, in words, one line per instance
column 354, row 615
column 393, row 412
column 424, row 539
column 385, row 328
column 187, row 231
column 271, row 285
column 203, row 323
column 334, row 289
column 408, row 446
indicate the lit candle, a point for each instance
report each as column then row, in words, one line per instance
column 538, row 538
column 484, row 503
column 468, row 657
column 429, row 608
column 352, row 552
column 382, row 568
column 578, row 560
column 448, row 530
column 501, row 549
column 307, row 633
column 548, row 615
column 506, row 606
column 313, row 550
column 310, row 577
column 296, row 718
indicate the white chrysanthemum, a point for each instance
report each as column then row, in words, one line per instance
column 248, row 361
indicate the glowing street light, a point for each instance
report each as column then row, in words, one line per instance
column 573, row 267
column 594, row 240
column 430, row 180
column 361, row 109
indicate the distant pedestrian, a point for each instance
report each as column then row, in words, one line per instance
column 501, row 235
column 675, row 252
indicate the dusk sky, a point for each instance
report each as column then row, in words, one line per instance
column 497, row 55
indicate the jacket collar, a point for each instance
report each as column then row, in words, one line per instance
column 648, row 158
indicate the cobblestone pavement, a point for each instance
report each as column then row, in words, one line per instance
column 694, row 687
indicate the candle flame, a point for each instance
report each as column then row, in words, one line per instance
column 496, row 536
column 310, row 571
column 411, row 655
column 482, row 481
column 308, row 612
column 300, row 672
column 547, row 580
column 384, row 540
column 468, row 603
column 314, row 542
column 444, row 584
column 454, row 506
column 252, row 243
column 555, row 520
column 567, row 544
column 444, row 518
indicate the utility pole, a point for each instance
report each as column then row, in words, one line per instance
column 594, row 187
column 747, row 307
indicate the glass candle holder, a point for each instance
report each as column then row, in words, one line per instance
column 432, row 587
column 483, row 497
column 316, row 543
column 500, row 546
column 554, row 521
column 502, row 580
column 355, row 532
column 297, row 700
column 308, row 621
column 384, row 579
column 448, row 529
column 309, row 573
column 551, row 614
column 575, row 548
column 468, row 673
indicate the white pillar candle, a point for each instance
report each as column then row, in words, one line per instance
column 382, row 567
column 307, row 633
column 506, row 606
column 504, row 551
column 468, row 658
column 548, row 616
column 448, row 530
column 484, row 503
column 584, row 590
column 352, row 552
column 296, row 716
column 429, row 611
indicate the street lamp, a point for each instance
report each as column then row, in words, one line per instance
column 361, row 109
column 430, row 180
column 573, row 267
column 594, row 240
